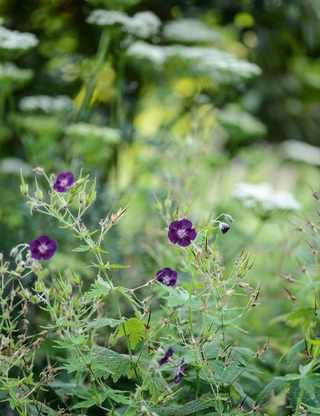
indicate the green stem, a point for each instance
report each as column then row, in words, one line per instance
column 100, row 58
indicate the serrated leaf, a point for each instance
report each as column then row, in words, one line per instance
column 297, row 348
column 90, row 396
column 105, row 361
column 189, row 408
column 99, row 289
column 102, row 322
column 133, row 329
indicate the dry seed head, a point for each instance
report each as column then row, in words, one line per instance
column 38, row 170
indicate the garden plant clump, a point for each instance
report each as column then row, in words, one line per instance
column 175, row 352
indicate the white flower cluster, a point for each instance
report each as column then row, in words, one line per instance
column 303, row 152
column 190, row 31
column 46, row 103
column 203, row 59
column 9, row 72
column 243, row 122
column 86, row 130
column 153, row 53
column 143, row 24
column 264, row 196
column 13, row 40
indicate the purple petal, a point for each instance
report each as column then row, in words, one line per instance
column 175, row 225
column 58, row 188
column 184, row 242
column 179, row 372
column 167, row 355
column 172, row 235
column 184, row 223
column 191, row 233
column 173, row 278
column 167, row 276
column 43, row 239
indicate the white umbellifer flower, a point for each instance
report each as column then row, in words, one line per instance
column 107, row 18
column 264, row 196
column 86, row 130
column 203, row 60
column 211, row 59
column 9, row 72
column 46, row 103
column 13, row 40
column 143, row 24
column 189, row 30
column 303, row 152
column 153, row 53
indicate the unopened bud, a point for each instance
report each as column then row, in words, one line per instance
column 38, row 194
column 36, row 267
column 224, row 227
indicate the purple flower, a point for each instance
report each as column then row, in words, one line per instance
column 42, row 248
column 64, row 181
column 179, row 372
column 167, row 355
column 167, row 276
column 181, row 232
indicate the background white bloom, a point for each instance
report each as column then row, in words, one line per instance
column 91, row 131
column 190, row 31
column 11, row 74
column 46, row 103
column 264, row 196
column 14, row 40
column 202, row 60
column 153, row 53
column 303, row 152
column 143, row 24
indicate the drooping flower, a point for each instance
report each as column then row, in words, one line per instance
column 166, row 357
column 63, row 181
column 167, row 276
column 179, row 372
column 181, row 232
column 42, row 248
column 224, row 227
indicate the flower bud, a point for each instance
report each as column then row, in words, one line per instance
column 224, row 227
column 24, row 188
column 38, row 194
column 36, row 267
